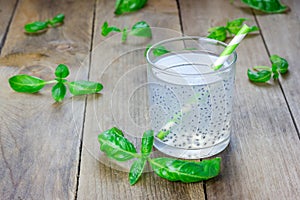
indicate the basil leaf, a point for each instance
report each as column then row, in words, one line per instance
column 62, row 71
column 58, row 18
column 59, row 91
column 116, row 146
column 136, row 170
column 235, row 25
column 141, row 29
column 185, row 171
column 107, row 29
column 125, row 6
column 26, row 83
column 217, row 33
column 160, row 50
column 147, row 143
column 279, row 63
column 84, row 87
column 268, row 6
column 260, row 76
column 35, row 27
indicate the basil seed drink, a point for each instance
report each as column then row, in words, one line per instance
column 189, row 102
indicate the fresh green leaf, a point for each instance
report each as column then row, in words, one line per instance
column 147, row 143
column 84, row 87
column 185, row 171
column 141, row 29
column 59, row 91
column 124, row 34
column 218, row 33
column 62, row 71
column 268, row 6
column 125, row 6
column 235, row 25
column 260, row 76
column 160, row 50
column 35, row 27
column 26, row 83
column 58, row 19
column 136, row 170
column 107, row 29
column 279, row 63
column 116, row 146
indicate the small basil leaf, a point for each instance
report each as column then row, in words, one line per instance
column 260, row 76
column 35, row 27
column 26, row 83
column 147, row 143
column 116, row 146
column 107, row 29
column 136, row 170
column 235, row 25
column 125, row 6
column 124, row 34
column 141, row 29
column 218, row 33
column 62, row 71
column 160, row 50
column 268, row 6
column 58, row 18
column 84, row 87
column 280, row 63
column 59, row 91
column 186, row 171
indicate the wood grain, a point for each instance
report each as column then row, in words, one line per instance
column 40, row 139
column 282, row 37
column 6, row 13
column 262, row 161
column 122, row 70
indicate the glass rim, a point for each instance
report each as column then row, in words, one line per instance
column 212, row 41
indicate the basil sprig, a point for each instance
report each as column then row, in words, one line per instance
column 232, row 27
column 157, row 51
column 40, row 26
column 140, row 29
column 126, row 6
column 116, row 146
column 264, row 73
column 267, row 6
column 31, row 84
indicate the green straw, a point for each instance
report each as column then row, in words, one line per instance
column 231, row 47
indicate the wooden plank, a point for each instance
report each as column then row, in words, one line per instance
column 286, row 31
column 262, row 161
column 6, row 12
column 122, row 70
column 40, row 139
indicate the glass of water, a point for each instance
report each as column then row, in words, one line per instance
column 190, row 104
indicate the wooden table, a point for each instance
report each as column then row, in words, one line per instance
column 50, row 150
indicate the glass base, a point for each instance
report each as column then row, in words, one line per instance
column 191, row 153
